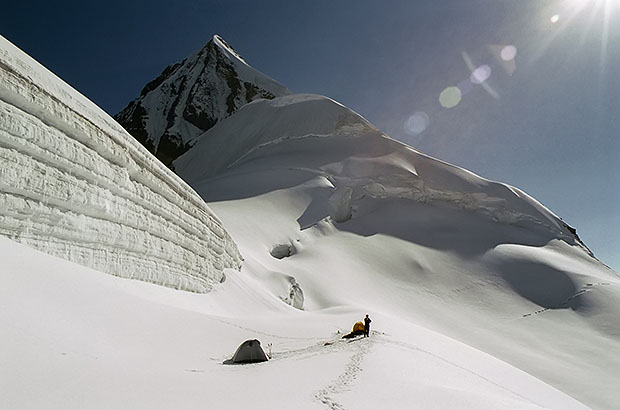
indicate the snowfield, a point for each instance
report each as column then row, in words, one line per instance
column 481, row 298
column 74, row 184
column 75, row 338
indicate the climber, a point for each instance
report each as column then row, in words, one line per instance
column 367, row 326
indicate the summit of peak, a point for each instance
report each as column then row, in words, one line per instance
column 227, row 48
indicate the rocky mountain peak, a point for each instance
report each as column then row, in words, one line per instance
column 191, row 96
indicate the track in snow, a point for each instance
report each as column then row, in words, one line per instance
column 352, row 368
column 567, row 303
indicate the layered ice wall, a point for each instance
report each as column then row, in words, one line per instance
column 74, row 184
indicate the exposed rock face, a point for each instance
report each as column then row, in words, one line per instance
column 190, row 97
column 75, row 185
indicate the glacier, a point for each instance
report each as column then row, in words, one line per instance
column 74, row 184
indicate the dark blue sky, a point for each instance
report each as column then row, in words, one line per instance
column 548, row 122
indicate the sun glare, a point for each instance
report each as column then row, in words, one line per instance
column 587, row 21
column 591, row 17
column 585, row 3
column 600, row 15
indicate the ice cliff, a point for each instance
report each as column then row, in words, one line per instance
column 75, row 184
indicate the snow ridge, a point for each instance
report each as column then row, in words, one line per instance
column 75, row 185
column 319, row 137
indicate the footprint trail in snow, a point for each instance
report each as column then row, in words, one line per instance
column 361, row 347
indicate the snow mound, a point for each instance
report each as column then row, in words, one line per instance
column 74, row 184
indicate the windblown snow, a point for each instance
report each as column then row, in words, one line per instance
column 480, row 296
column 74, row 184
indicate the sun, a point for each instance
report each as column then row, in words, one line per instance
column 570, row 13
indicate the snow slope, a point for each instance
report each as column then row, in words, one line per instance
column 74, row 184
column 315, row 135
column 134, row 345
column 373, row 224
column 190, row 97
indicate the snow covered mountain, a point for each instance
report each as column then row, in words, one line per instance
column 190, row 97
column 481, row 298
column 74, row 184
column 317, row 196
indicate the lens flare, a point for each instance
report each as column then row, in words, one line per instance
column 508, row 53
column 472, row 69
column 555, row 18
column 480, row 74
column 417, row 123
column 450, row 97
column 465, row 86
